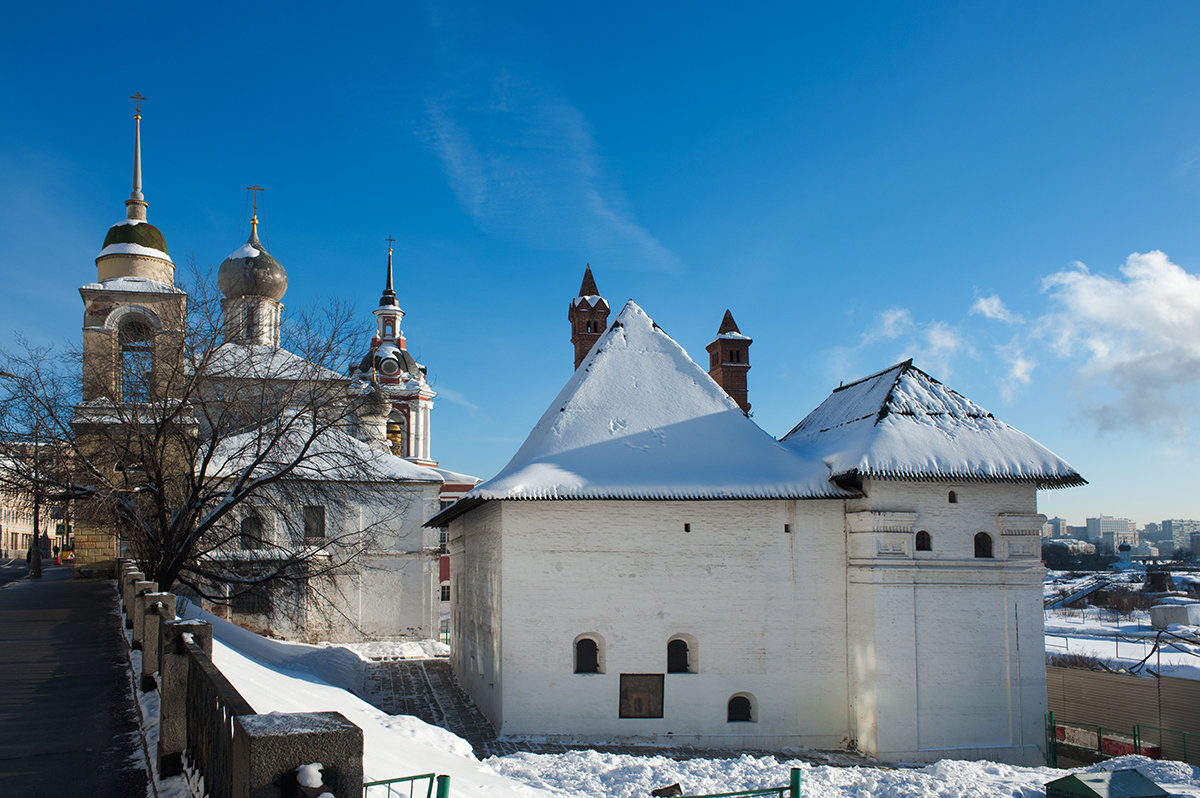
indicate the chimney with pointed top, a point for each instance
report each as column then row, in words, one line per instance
column 729, row 361
column 588, row 315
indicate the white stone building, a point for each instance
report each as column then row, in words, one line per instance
column 367, row 484
column 653, row 567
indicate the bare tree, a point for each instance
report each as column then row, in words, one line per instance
column 213, row 461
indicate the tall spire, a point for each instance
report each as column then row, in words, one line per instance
column 135, row 206
column 588, row 287
column 389, row 296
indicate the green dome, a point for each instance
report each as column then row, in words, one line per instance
column 143, row 234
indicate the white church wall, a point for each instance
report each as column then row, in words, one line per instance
column 764, row 607
column 955, row 666
column 474, row 546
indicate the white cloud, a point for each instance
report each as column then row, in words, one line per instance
column 1135, row 340
column 893, row 336
column 993, row 307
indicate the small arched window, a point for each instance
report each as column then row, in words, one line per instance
column 252, row 532
column 983, row 545
column 677, row 656
column 924, row 542
column 740, row 710
column 587, row 656
column 952, row 498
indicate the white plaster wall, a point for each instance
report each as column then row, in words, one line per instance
column 946, row 649
column 765, row 607
column 475, row 552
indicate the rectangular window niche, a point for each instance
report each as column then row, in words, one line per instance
column 641, row 695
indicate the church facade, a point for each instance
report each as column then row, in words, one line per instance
column 652, row 567
column 368, row 480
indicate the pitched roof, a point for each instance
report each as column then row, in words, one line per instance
column 332, row 455
column 903, row 424
column 640, row 420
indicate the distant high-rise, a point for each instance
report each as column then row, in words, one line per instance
column 1111, row 532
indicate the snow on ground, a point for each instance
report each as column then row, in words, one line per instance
column 586, row 774
column 396, row 649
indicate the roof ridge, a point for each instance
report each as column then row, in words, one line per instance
column 904, row 365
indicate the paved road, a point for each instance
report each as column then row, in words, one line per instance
column 68, row 725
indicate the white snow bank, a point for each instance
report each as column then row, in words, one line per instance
column 396, row 649
column 588, row 773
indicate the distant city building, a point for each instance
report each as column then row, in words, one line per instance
column 1111, row 532
column 1077, row 532
column 1056, row 528
column 1180, row 532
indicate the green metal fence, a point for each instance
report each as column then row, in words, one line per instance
column 409, row 787
column 1102, row 742
column 791, row 790
column 1174, row 743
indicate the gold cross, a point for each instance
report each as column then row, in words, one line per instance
column 137, row 104
column 390, row 241
column 255, row 188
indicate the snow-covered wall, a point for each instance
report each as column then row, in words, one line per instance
column 762, row 609
column 946, row 647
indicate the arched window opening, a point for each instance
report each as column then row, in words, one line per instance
column 587, row 656
column 251, row 323
column 924, row 542
column 252, row 532
column 136, row 338
column 387, row 330
column 983, row 545
column 953, row 498
column 397, row 434
column 740, row 710
column 677, row 657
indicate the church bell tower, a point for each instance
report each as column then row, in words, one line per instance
column 588, row 315
column 729, row 361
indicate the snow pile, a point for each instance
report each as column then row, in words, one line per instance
column 902, row 423
column 640, row 420
column 586, row 774
column 396, row 649
column 289, row 677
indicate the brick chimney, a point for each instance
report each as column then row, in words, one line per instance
column 588, row 315
column 729, row 361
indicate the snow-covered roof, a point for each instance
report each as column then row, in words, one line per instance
column 133, row 249
column 903, row 424
column 456, row 478
column 263, row 361
column 332, row 455
column 590, row 300
column 640, row 420
column 134, row 284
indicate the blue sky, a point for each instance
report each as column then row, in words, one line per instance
column 1008, row 193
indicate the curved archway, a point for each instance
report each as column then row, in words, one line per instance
column 589, row 654
column 740, row 708
column 983, row 545
column 923, row 541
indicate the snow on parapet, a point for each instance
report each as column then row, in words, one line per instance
column 903, row 424
column 640, row 420
column 133, row 249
